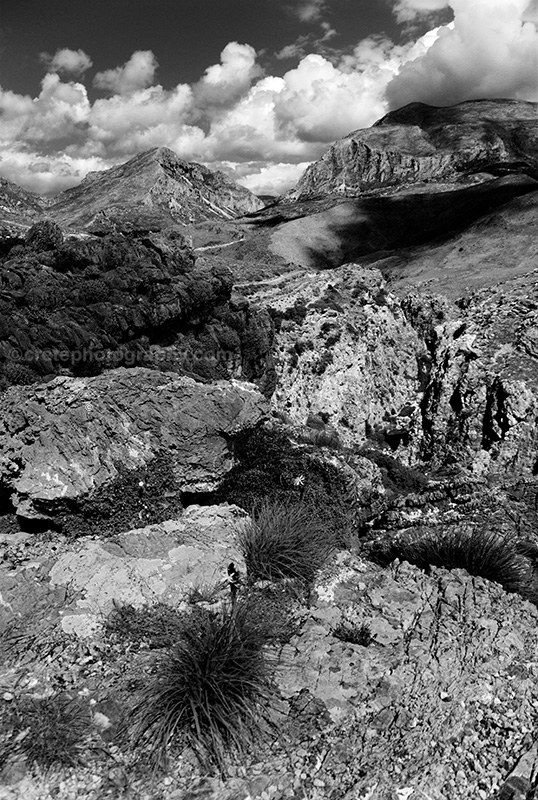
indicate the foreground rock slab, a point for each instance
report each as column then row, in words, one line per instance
column 440, row 703
column 62, row 441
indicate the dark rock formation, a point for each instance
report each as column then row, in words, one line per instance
column 86, row 304
column 69, row 440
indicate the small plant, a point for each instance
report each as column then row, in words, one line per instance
column 204, row 593
column 354, row 633
column 207, row 690
column 156, row 626
column 284, row 540
column 46, row 731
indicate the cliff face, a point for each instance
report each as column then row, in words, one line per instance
column 421, row 144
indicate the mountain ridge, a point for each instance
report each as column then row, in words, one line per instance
column 152, row 190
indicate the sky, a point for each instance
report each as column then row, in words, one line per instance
column 257, row 88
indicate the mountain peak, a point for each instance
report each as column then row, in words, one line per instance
column 154, row 189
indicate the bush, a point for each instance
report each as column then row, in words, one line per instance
column 284, row 540
column 207, row 690
column 158, row 626
column 46, row 731
column 268, row 464
column 482, row 553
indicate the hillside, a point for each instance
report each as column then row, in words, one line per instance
column 269, row 476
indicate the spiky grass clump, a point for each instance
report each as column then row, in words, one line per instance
column 354, row 633
column 46, row 731
column 284, row 540
column 207, row 690
column 481, row 553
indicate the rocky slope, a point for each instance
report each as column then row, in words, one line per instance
column 436, row 697
column 423, row 144
column 17, row 206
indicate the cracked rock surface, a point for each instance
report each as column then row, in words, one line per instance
column 64, row 440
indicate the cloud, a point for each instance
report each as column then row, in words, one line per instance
column 488, row 51
column 226, row 82
column 263, row 129
column 137, row 73
column 309, row 10
column 410, row 10
column 309, row 43
column 274, row 179
column 68, row 62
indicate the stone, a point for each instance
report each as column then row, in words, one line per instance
column 64, row 440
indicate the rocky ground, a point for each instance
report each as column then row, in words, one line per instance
column 369, row 355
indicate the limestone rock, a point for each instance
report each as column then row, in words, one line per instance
column 347, row 354
column 439, row 698
column 159, row 563
column 62, row 441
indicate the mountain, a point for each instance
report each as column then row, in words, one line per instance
column 152, row 189
column 421, row 144
column 17, row 206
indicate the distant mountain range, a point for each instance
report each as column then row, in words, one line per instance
column 150, row 191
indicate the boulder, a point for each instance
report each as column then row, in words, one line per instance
column 158, row 563
column 66, row 440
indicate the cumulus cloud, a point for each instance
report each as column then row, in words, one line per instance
column 68, row 62
column 225, row 82
column 137, row 73
column 263, row 129
column 274, row 179
column 488, row 51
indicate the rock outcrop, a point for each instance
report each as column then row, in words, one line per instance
column 347, row 354
column 82, row 305
column 68, row 440
column 421, row 144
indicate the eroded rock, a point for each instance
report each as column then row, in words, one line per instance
column 64, row 441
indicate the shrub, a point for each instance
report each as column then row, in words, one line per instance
column 207, row 690
column 268, row 464
column 46, row 731
column 204, row 593
column 158, row 626
column 481, row 553
column 284, row 540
